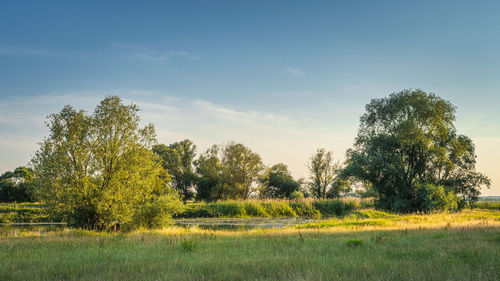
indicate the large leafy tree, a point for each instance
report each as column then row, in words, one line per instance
column 277, row 182
column 323, row 172
column 98, row 170
column 17, row 186
column 210, row 181
column 241, row 169
column 408, row 149
column 228, row 172
column 177, row 160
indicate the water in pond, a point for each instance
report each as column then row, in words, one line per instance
column 15, row 230
column 241, row 223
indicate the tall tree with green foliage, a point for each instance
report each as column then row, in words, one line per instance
column 210, row 181
column 228, row 172
column 277, row 182
column 323, row 171
column 241, row 169
column 177, row 160
column 17, row 186
column 97, row 171
column 408, row 149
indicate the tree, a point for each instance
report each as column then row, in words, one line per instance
column 241, row 169
column 339, row 187
column 407, row 148
column 99, row 171
column 323, row 172
column 177, row 160
column 210, row 181
column 17, row 186
column 278, row 182
column 227, row 172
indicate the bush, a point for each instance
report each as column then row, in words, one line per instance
column 158, row 212
column 428, row 197
column 271, row 208
column 296, row 195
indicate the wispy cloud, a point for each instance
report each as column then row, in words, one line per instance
column 290, row 94
column 294, row 71
column 141, row 52
column 276, row 137
column 23, row 50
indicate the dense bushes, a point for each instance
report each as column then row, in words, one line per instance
column 428, row 197
column 271, row 208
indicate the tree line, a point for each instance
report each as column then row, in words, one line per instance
column 103, row 168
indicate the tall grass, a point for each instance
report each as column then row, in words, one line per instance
column 464, row 252
column 22, row 213
column 272, row 208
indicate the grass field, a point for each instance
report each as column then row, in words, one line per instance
column 459, row 246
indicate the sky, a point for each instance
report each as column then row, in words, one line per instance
column 282, row 77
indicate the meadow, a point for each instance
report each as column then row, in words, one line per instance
column 364, row 245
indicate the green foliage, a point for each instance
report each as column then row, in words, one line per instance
column 339, row 187
column 406, row 142
column 277, row 182
column 323, row 172
column 354, row 243
column 24, row 213
column 487, row 205
column 271, row 208
column 17, row 186
column 158, row 211
column 96, row 171
column 189, row 244
column 228, row 172
column 296, row 195
column 329, row 208
column 177, row 160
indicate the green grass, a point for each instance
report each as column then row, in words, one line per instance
column 464, row 253
column 439, row 246
column 492, row 205
column 22, row 213
column 273, row 208
column 374, row 218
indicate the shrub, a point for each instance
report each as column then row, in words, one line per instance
column 158, row 212
column 279, row 209
column 330, row 208
column 296, row 195
column 305, row 209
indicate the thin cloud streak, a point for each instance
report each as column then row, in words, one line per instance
column 20, row 51
column 144, row 53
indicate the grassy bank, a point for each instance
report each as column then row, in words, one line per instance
column 274, row 208
column 436, row 247
column 22, row 213
column 34, row 212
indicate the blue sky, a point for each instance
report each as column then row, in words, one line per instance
column 283, row 77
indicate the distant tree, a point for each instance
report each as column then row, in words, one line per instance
column 277, row 182
column 241, row 169
column 17, row 186
column 227, row 172
column 323, row 172
column 99, row 171
column 407, row 148
column 366, row 191
column 339, row 187
column 177, row 160
column 210, row 182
